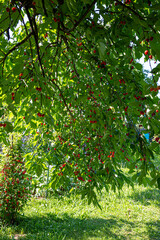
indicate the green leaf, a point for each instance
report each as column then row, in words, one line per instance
column 156, row 7
column 1, row 112
column 12, row 109
column 156, row 69
column 5, row 140
column 9, row 126
column 101, row 49
column 38, row 170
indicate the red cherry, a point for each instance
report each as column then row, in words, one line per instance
column 14, row 9
column 39, row 89
column 146, row 52
column 131, row 60
column 150, row 56
column 7, row 9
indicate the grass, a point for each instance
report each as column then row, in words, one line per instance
column 132, row 215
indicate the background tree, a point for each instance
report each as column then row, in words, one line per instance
column 15, row 186
column 70, row 75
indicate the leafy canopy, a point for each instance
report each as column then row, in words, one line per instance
column 70, row 78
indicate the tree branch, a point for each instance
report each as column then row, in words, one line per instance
column 81, row 19
column 135, row 13
column 62, row 98
column 16, row 46
column 35, row 33
column 44, row 8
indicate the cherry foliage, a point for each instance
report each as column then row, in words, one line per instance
column 71, row 77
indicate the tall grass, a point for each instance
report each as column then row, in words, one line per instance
column 131, row 215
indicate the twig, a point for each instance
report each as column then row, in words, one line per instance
column 63, row 98
column 44, row 8
column 81, row 19
column 35, row 33
column 14, row 48
column 135, row 13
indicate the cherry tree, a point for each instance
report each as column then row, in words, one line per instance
column 70, row 77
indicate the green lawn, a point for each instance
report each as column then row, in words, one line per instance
column 134, row 215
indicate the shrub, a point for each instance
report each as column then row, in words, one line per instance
column 14, row 185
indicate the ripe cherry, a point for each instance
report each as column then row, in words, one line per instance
column 146, row 52
column 14, row 9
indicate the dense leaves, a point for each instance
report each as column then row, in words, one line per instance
column 70, row 77
column 14, row 186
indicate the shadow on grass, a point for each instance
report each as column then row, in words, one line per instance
column 64, row 227
column 52, row 227
column 153, row 229
column 147, row 197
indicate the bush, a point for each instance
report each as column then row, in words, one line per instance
column 14, row 185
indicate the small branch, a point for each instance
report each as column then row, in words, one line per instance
column 49, row 45
column 16, row 46
column 81, row 19
column 135, row 13
column 57, row 45
column 69, row 49
column 3, row 32
column 63, row 99
column 27, row 35
column 35, row 33
column 44, row 8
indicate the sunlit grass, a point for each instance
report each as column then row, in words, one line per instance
column 134, row 215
